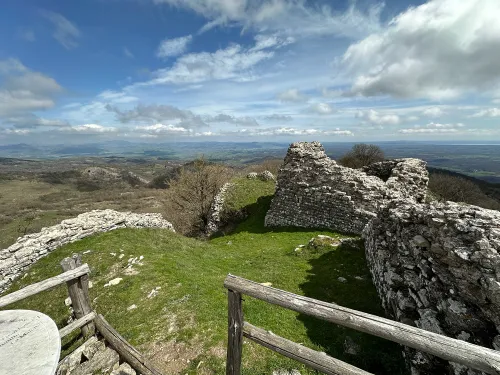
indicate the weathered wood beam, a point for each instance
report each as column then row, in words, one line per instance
column 470, row 355
column 78, row 292
column 43, row 285
column 316, row 360
column 76, row 324
column 234, row 333
column 126, row 351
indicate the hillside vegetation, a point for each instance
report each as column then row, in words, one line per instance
column 180, row 319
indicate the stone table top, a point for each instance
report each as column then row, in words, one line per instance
column 29, row 343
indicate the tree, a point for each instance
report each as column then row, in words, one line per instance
column 362, row 155
column 191, row 194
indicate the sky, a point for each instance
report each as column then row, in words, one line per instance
column 249, row 70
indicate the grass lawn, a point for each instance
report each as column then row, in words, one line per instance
column 183, row 328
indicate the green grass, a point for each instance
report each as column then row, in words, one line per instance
column 188, row 317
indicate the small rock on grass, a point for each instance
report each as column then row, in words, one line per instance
column 342, row 279
column 351, row 347
column 113, row 282
column 286, row 372
column 132, row 307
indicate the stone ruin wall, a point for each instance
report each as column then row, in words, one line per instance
column 436, row 266
column 313, row 191
column 15, row 259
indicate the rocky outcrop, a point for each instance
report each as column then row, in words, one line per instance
column 28, row 249
column 437, row 266
column 216, row 210
column 313, row 191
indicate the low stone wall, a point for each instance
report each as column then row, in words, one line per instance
column 437, row 267
column 313, row 191
column 28, row 249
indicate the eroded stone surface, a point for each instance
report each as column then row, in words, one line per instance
column 437, row 266
column 28, row 249
column 216, row 210
column 313, row 191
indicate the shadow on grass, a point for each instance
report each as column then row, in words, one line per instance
column 375, row 355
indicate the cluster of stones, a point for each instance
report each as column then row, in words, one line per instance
column 28, row 249
column 313, row 191
column 94, row 357
column 216, row 210
column 437, row 266
column 263, row 176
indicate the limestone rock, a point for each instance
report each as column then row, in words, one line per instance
column 313, row 191
column 216, row 210
column 350, row 346
column 115, row 281
column 438, row 265
column 124, row 369
column 286, row 372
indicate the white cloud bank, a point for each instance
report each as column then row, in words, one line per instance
column 439, row 50
column 173, row 47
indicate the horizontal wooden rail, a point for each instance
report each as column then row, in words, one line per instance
column 316, row 360
column 474, row 356
column 124, row 349
column 44, row 285
column 76, row 324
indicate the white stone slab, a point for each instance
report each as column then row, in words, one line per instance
column 29, row 343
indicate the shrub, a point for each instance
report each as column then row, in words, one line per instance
column 458, row 189
column 190, row 196
column 362, row 155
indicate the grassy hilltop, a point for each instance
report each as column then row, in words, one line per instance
column 183, row 327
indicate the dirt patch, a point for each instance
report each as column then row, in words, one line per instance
column 172, row 357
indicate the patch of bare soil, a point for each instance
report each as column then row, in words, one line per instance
column 173, row 357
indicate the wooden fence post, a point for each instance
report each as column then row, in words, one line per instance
column 234, row 333
column 78, row 290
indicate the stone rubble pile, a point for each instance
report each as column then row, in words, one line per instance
column 15, row 259
column 94, row 357
column 313, row 191
column 437, row 267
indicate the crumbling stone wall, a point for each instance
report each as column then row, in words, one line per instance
column 437, row 267
column 313, row 191
column 28, row 249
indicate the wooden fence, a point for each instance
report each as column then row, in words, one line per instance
column 473, row 356
column 76, row 277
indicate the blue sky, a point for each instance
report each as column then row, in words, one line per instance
column 261, row 70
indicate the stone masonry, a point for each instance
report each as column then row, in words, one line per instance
column 313, row 191
column 28, row 249
column 437, row 267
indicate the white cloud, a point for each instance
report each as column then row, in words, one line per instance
column 321, row 108
column 433, row 128
column 289, row 131
column 66, row 32
column 229, row 119
column 23, row 90
column 331, row 93
column 231, row 63
column 491, row 112
column 173, row 47
column 116, row 97
column 157, row 113
column 278, row 117
column 163, row 129
column 128, row 53
column 441, row 49
column 263, row 41
column 433, row 112
column 292, row 95
column 292, row 17
column 32, row 121
column 376, row 118
column 91, row 129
